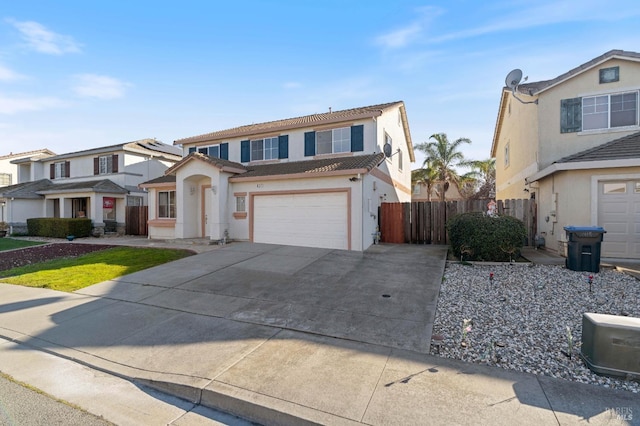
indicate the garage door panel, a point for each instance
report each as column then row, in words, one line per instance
column 310, row 220
column 619, row 215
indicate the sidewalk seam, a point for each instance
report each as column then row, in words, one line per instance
column 548, row 401
column 375, row 388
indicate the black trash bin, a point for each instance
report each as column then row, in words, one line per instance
column 583, row 247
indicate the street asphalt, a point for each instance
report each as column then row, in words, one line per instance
column 283, row 335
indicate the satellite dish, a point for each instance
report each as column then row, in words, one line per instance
column 513, row 79
column 387, row 149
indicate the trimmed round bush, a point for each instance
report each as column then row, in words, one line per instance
column 476, row 236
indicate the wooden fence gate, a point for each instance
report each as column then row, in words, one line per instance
column 136, row 220
column 425, row 222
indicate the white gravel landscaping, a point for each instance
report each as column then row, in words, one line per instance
column 519, row 320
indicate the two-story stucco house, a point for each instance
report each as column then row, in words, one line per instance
column 314, row 181
column 96, row 183
column 577, row 151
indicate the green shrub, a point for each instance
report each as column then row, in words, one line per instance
column 476, row 236
column 59, row 227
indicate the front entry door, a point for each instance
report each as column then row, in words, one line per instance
column 206, row 210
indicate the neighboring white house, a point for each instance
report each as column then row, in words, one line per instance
column 313, row 181
column 96, row 183
column 576, row 151
column 9, row 170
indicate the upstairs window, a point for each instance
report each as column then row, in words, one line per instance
column 264, row 149
column 333, row 141
column 105, row 164
column 5, row 179
column 167, row 204
column 599, row 112
column 60, row 170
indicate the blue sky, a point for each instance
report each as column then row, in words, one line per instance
column 78, row 74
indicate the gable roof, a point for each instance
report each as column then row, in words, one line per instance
column 537, row 87
column 25, row 189
column 143, row 146
column 36, row 189
column 306, row 121
column 309, row 168
column 621, row 152
column 223, row 165
column 36, row 153
column 618, row 149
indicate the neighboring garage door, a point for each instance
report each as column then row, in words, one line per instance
column 310, row 220
column 619, row 215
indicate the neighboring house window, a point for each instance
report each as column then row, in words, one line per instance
column 60, row 170
column 333, row 141
column 134, row 201
column 241, row 205
column 416, row 189
column 167, row 204
column 5, row 179
column 506, row 155
column 399, row 160
column 599, row 112
column 106, row 164
column 264, row 149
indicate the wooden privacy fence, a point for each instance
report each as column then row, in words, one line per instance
column 136, row 220
column 425, row 222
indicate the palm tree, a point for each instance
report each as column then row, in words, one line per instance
column 444, row 157
column 426, row 176
column 486, row 177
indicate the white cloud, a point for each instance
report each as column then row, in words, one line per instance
column 549, row 13
column 42, row 40
column 14, row 104
column 99, row 86
column 408, row 34
column 7, row 74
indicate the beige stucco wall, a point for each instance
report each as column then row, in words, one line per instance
column 554, row 144
column 533, row 131
column 519, row 131
column 577, row 200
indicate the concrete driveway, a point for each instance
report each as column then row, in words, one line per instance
column 386, row 295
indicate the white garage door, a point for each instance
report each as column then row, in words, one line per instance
column 310, row 220
column 619, row 215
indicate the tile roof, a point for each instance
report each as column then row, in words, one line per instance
column 145, row 145
column 44, row 151
column 104, row 185
column 25, row 189
column 161, row 179
column 619, row 149
column 311, row 167
column 292, row 123
column 214, row 161
column 538, row 86
column 37, row 188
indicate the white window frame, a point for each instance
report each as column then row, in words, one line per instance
column 265, row 149
column 170, row 205
column 241, row 204
column 60, row 171
column 105, row 164
column 340, row 141
column 603, row 101
column 5, row 179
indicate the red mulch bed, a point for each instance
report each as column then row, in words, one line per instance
column 28, row 255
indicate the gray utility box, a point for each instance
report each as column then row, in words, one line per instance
column 611, row 344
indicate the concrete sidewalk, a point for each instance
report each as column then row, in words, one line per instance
column 283, row 335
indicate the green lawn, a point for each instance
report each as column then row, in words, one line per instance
column 76, row 273
column 10, row 243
